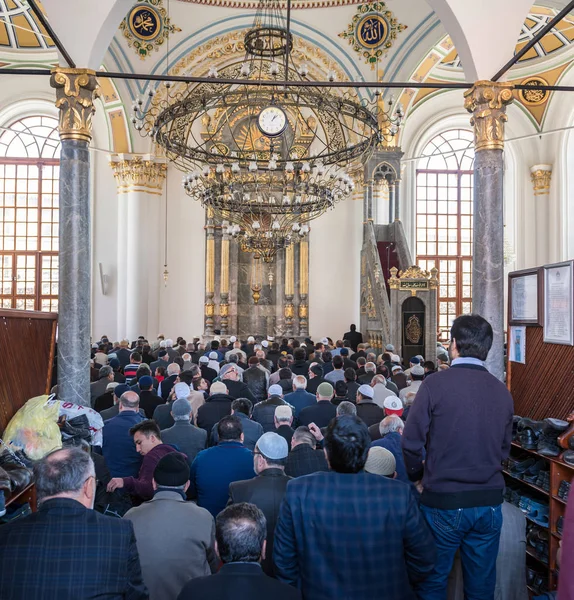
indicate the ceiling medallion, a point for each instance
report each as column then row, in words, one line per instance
column 372, row 31
column 147, row 27
column 534, row 97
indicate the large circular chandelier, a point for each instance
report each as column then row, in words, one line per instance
column 266, row 159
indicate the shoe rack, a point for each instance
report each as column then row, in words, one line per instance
column 531, row 497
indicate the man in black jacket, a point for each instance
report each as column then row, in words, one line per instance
column 304, row 459
column 217, row 406
column 367, row 410
column 267, row 489
column 299, row 366
column 256, row 379
column 355, row 337
column 462, row 417
column 315, row 378
column 323, row 411
column 264, row 412
column 240, row 538
column 229, row 375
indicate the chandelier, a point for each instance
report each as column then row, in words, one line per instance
column 265, row 156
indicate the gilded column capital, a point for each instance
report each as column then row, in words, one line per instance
column 138, row 173
column 487, row 101
column 541, row 176
column 76, row 91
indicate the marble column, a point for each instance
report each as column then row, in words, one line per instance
column 541, row 176
column 392, row 200
column 304, row 288
column 289, row 289
column 76, row 90
column 224, row 284
column 140, row 181
column 487, row 102
column 209, row 273
column 397, row 199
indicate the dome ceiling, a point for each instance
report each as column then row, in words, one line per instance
column 19, row 28
column 559, row 37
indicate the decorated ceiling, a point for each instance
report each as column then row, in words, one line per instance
column 19, row 28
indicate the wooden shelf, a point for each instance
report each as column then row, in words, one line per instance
column 531, row 485
column 559, row 500
column 556, row 535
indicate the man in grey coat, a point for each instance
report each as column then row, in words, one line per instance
column 175, row 538
column 188, row 438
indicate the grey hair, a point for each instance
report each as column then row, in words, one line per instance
column 409, row 398
column 378, row 379
column 130, row 400
column 302, row 435
column 240, row 531
column 188, row 356
column 371, row 366
column 300, row 382
column 194, row 370
column 168, row 343
column 227, row 369
column 173, row 369
column 63, row 471
column 391, row 424
column 346, row 408
column 105, row 372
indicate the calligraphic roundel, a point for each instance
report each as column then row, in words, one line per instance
column 372, row 30
column 145, row 23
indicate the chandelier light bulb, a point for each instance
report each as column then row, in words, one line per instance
column 219, row 168
column 245, row 69
column 296, row 227
column 235, row 167
column 272, row 164
column 286, row 200
column 303, row 70
column 274, row 68
column 256, row 225
column 212, row 72
column 252, row 166
column 306, row 167
column 276, row 225
column 331, row 75
column 289, row 167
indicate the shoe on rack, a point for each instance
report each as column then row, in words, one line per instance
column 559, row 525
column 533, row 472
column 515, row 420
column 528, row 438
column 568, row 434
column 548, row 446
column 520, row 467
column 568, row 457
column 538, row 512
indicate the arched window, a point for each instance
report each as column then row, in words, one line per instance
column 444, row 220
column 29, row 178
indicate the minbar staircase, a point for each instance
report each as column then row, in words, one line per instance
column 384, row 247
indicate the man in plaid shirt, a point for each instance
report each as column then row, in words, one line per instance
column 348, row 534
column 66, row 550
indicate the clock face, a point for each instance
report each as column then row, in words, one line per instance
column 272, row 121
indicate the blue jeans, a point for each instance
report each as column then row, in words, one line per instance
column 476, row 531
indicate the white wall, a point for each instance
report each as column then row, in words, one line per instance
column 104, row 234
column 334, row 271
column 182, row 301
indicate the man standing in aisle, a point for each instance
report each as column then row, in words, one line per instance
column 463, row 418
column 334, row 540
